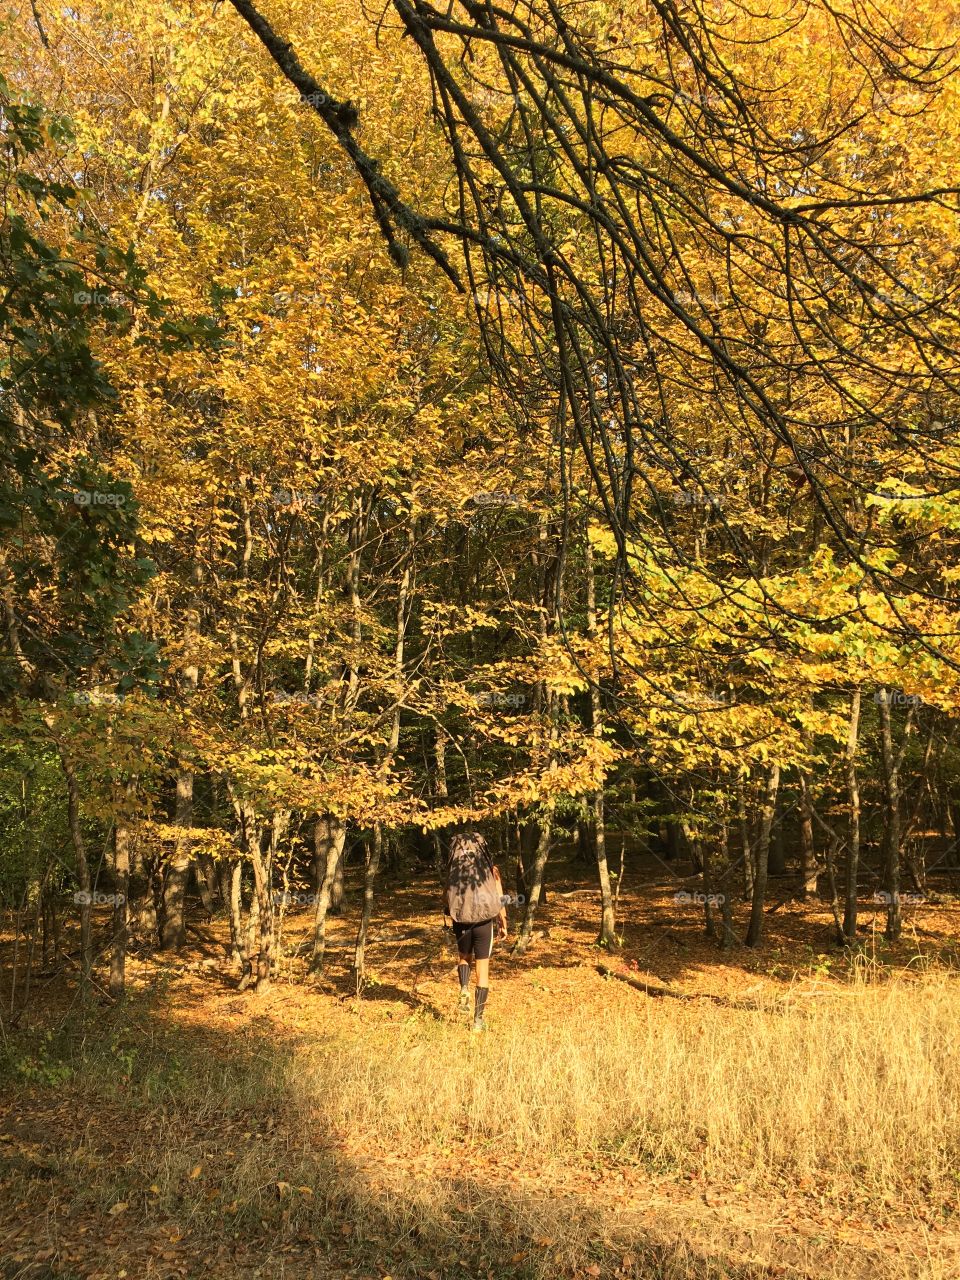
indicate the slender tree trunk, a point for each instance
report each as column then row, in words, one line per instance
column 583, row 838
column 853, row 841
column 891, row 834
column 808, row 856
column 207, row 882
column 38, row 898
column 231, row 890
column 83, row 868
column 777, row 857
column 375, row 849
column 830, row 858
column 440, row 790
column 745, row 842
column 121, row 889
column 623, row 854
column 608, row 927
column 547, row 563
column 371, row 867
column 919, row 822
column 329, row 835
column 755, row 930
column 892, row 760
column 258, row 936
column 519, row 870
column 545, row 702
column 674, row 846
column 173, row 935
column 727, row 937
column 708, row 922
column 251, row 934
column 263, row 888
column 692, row 837
column 528, row 837
column 142, row 922
column 535, row 875
column 726, row 910
column 336, row 888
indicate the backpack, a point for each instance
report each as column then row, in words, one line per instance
column 473, row 893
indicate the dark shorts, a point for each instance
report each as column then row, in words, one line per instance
column 475, row 939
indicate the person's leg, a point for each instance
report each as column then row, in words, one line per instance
column 482, row 947
column 464, row 936
column 463, row 976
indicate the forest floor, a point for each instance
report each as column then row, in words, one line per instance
column 595, row 1130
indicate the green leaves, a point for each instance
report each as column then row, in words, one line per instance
column 69, row 545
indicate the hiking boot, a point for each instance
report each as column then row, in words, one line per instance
column 463, row 1004
column 479, row 1025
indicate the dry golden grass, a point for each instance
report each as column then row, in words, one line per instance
column 816, row 1135
column 859, row 1087
column 412, row 1147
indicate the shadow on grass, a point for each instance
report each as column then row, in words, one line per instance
column 144, row 1145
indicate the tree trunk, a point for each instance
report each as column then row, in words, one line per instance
column 83, row 868
column 519, row 866
column 262, row 885
column 231, row 890
column 173, row 934
column 336, row 889
column 853, row 841
column 329, row 837
column 528, row 838
column 745, row 842
column 608, row 928
column 708, row 922
column 121, row 889
column 755, row 930
column 440, row 789
column 808, row 856
column 371, row 866
column 142, row 925
column 251, row 934
column 778, row 857
column 258, row 941
column 672, row 839
column 535, row 880
column 726, row 911
column 692, row 837
column 375, row 849
column 207, row 882
column 892, row 760
column 586, row 848
column 37, row 896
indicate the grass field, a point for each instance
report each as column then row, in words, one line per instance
column 787, row 1114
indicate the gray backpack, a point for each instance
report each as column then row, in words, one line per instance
column 473, row 893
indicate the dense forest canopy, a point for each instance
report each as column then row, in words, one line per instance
column 542, row 414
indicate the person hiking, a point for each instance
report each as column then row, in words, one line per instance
column 474, row 907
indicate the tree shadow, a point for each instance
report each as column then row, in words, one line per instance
column 220, row 1171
